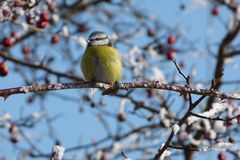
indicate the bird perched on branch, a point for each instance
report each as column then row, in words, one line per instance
column 101, row 61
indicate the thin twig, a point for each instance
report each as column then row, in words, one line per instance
column 214, row 119
column 37, row 66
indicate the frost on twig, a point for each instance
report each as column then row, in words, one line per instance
column 216, row 108
column 221, row 146
column 57, row 153
column 175, row 128
column 5, row 117
column 165, row 154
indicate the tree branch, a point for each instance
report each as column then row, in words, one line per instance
column 222, row 51
column 5, row 93
column 37, row 66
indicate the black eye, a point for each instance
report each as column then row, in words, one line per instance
column 97, row 39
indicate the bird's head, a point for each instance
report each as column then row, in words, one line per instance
column 98, row 38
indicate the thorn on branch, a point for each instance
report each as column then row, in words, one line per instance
column 123, row 154
column 125, row 157
column 187, row 78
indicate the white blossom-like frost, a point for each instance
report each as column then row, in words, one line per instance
column 216, row 108
column 57, row 152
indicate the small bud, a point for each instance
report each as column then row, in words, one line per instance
column 30, row 19
column 151, row 32
column 121, row 117
column 15, row 35
column 215, row 11
column 30, row 99
column 104, row 155
column 26, row 51
column 13, row 128
column 14, row 139
column 141, row 104
column 149, row 93
column 82, row 28
column 6, row 12
column 55, row 39
column 86, row 98
column 70, row 72
column 182, row 7
column 3, row 69
column 47, row 80
column 14, row 134
column 93, row 104
column 231, row 140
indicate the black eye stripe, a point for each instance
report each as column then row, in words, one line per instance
column 99, row 39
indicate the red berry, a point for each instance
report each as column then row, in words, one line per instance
column 215, row 11
column 170, row 55
column 238, row 119
column 222, row 156
column 3, row 69
column 82, row 28
column 55, row 39
column 7, row 42
column 44, row 17
column 151, row 32
column 19, row 3
column 42, row 24
column 26, row 51
column 171, row 39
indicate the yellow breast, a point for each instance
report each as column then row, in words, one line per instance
column 101, row 64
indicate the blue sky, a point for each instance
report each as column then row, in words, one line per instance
column 73, row 127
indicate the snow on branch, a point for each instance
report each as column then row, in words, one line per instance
column 57, row 152
column 221, row 146
column 5, row 93
column 216, row 108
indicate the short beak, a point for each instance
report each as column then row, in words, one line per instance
column 88, row 41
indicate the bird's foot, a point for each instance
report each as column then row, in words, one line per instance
column 112, row 90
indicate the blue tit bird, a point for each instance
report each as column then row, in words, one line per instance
column 101, row 61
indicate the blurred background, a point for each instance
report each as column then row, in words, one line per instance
column 42, row 41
